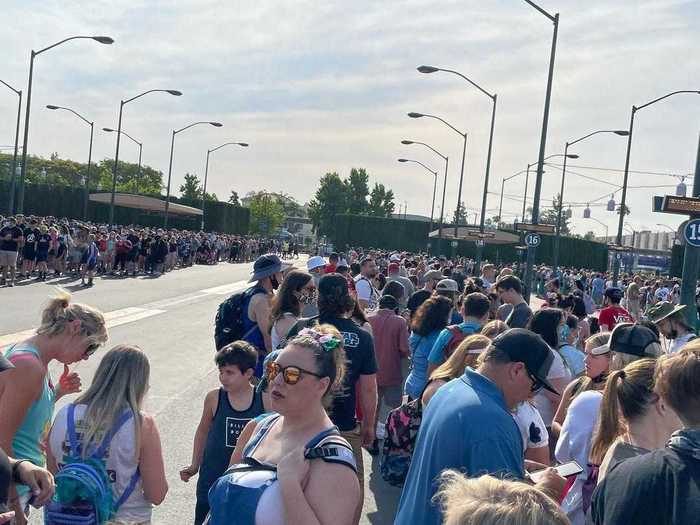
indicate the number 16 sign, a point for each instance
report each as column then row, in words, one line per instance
column 692, row 233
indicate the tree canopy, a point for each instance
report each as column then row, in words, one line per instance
column 336, row 196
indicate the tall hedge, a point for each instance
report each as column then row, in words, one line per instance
column 67, row 201
column 412, row 235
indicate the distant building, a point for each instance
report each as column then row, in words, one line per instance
column 661, row 241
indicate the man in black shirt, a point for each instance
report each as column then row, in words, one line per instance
column 663, row 486
column 334, row 305
column 10, row 238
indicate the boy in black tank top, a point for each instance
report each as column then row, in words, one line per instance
column 226, row 411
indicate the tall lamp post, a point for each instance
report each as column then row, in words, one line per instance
column 13, row 173
column 527, row 177
column 623, row 208
column 543, row 143
column 431, row 69
column 464, row 154
column 432, row 208
column 23, row 174
column 503, row 183
column 86, row 197
column 206, row 170
column 444, row 184
column 140, row 145
column 170, row 167
column 115, row 170
column 619, row 132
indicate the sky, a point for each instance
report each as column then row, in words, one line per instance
column 318, row 87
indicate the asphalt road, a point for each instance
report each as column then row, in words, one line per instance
column 171, row 319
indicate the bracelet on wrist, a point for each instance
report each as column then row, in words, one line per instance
column 15, row 470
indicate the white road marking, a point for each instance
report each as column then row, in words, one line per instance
column 136, row 313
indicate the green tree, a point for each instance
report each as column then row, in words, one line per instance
column 331, row 199
column 233, row 199
column 381, row 201
column 590, row 236
column 550, row 215
column 266, row 213
column 191, row 189
column 357, row 188
column 459, row 216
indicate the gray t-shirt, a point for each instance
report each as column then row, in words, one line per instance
column 520, row 316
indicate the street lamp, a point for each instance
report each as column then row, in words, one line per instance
column 432, row 69
column 543, row 142
column 602, row 224
column 140, row 145
column 464, row 154
column 86, row 197
column 444, row 184
column 623, row 209
column 432, row 208
column 101, row 40
column 557, row 239
column 11, row 199
column 206, row 170
column 170, row 167
column 122, row 103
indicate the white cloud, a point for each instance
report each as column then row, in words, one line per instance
column 324, row 86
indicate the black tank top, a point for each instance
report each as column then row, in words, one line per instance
column 223, row 435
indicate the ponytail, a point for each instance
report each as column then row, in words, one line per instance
column 59, row 312
column 608, row 427
column 627, row 396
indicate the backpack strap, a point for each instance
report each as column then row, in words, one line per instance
column 332, row 449
column 102, row 450
column 72, row 436
column 128, row 490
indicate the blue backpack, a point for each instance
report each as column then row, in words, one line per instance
column 83, row 489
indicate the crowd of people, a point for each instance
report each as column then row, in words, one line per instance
column 40, row 248
column 584, row 409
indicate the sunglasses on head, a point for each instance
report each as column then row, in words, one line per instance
column 291, row 374
column 91, row 349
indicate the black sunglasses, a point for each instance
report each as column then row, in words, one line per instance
column 537, row 384
column 291, row 374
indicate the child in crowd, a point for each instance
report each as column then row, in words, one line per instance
column 226, row 412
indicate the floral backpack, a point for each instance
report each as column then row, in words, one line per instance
column 402, row 426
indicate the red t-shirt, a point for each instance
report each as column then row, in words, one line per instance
column 613, row 315
column 330, row 268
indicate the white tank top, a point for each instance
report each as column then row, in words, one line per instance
column 120, row 462
column 276, row 339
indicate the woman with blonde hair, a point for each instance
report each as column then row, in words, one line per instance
column 487, row 500
column 628, row 343
column 633, row 419
column 69, row 332
column 494, row 328
column 465, row 355
column 113, row 404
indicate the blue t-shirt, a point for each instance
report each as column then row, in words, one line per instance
column 437, row 354
column 598, row 284
column 467, row 426
column 420, row 350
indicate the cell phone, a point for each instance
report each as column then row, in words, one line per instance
column 570, row 468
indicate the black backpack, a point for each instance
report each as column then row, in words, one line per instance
column 228, row 324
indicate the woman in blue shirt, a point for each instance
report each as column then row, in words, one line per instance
column 430, row 318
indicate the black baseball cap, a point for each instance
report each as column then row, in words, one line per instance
column 632, row 339
column 527, row 347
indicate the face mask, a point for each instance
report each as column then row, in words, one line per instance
column 564, row 333
column 275, row 283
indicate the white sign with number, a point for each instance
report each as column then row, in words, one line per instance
column 532, row 239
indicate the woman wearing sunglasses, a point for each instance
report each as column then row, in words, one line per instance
column 296, row 468
column 68, row 333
